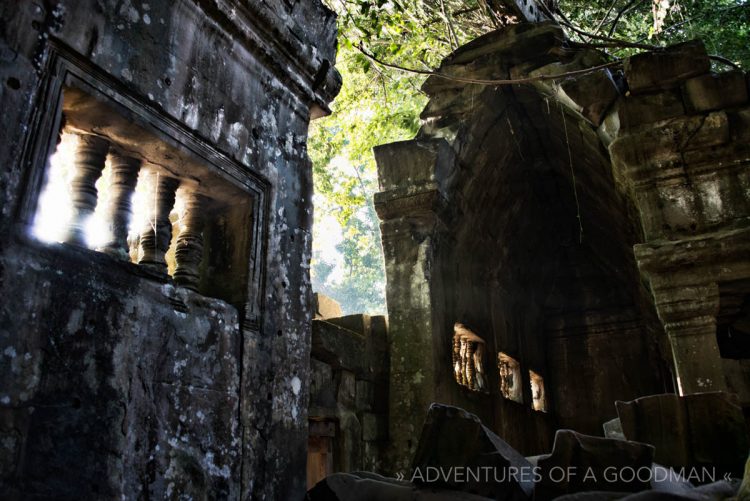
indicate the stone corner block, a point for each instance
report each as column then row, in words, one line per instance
column 714, row 91
column 664, row 69
column 414, row 162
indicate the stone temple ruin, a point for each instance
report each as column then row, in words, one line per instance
column 551, row 249
column 592, row 232
column 168, row 360
column 568, row 265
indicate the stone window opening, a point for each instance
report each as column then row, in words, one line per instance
column 538, row 392
column 509, row 375
column 115, row 187
column 468, row 358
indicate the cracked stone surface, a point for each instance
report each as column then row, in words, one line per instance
column 114, row 383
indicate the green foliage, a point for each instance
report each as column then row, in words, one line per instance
column 379, row 105
column 376, row 106
column 723, row 25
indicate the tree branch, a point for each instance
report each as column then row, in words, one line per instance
column 611, row 42
column 604, row 17
column 698, row 16
column 538, row 78
column 628, row 6
column 615, row 45
column 449, row 23
column 724, row 60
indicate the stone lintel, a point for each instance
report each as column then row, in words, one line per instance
column 305, row 64
column 718, row 256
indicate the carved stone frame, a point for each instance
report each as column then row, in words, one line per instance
column 63, row 67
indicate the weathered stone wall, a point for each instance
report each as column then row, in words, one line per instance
column 504, row 214
column 111, row 390
column 349, row 389
column 114, row 383
column 681, row 153
column 534, row 212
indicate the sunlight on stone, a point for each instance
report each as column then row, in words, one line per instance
column 538, row 393
column 54, row 210
column 97, row 229
column 140, row 213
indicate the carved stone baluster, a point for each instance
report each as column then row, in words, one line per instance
column 457, row 357
column 464, row 370
column 124, row 178
column 468, row 358
column 157, row 231
column 478, row 359
column 91, row 153
column 470, row 372
column 189, row 246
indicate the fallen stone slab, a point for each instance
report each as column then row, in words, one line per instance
column 580, row 463
column 704, row 433
column 457, row 452
column 592, row 496
column 360, row 487
column 712, row 492
column 613, row 429
column 446, row 495
column 369, row 486
column 665, row 479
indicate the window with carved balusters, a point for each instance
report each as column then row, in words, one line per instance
column 114, row 176
column 538, row 394
column 468, row 358
column 509, row 377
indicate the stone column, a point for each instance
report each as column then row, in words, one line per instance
column 120, row 211
column 156, row 234
column 90, row 155
column 189, row 246
column 410, row 208
column 678, row 147
column 689, row 317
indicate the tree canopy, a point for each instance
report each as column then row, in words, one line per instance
column 380, row 104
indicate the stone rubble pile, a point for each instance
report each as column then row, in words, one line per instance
column 458, row 458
